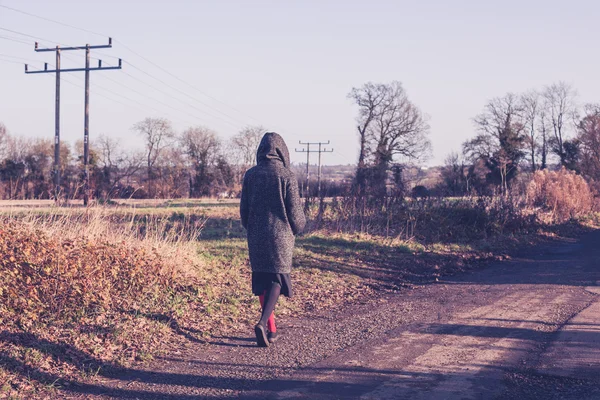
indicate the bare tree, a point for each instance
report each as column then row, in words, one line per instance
column 158, row 134
column 391, row 129
column 244, row 146
column 531, row 114
column 543, row 135
column 589, row 139
column 500, row 140
column 454, row 180
column 561, row 102
column 202, row 147
column 116, row 164
column 369, row 97
column 247, row 142
column 3, row 141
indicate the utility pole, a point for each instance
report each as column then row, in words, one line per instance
column 58, row 70
column 319, row 175
column 57, row 129
column 308, row 151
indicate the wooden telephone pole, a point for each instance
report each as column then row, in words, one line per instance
column 308, row 151
column 58, row 70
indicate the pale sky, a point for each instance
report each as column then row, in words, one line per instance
column 289, row 65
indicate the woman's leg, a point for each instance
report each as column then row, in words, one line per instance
column 271, row 321
column 269, row 302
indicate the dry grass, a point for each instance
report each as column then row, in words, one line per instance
column 83, row 290
column 75, row 289
column 562, row 194
column 86, row 290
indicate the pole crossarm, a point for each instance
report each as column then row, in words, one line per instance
column 98, row 68
column 97, row 46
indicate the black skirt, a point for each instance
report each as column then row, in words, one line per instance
column 261, row 281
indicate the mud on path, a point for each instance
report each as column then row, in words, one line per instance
column 527, row 328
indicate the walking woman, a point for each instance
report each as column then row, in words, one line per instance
column 272, row 214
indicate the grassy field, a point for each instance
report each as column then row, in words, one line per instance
column 86, row 290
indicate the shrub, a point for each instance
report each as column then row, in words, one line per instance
column 420, row 191
column 47, row 279
column 426, row 220
column 563, row 194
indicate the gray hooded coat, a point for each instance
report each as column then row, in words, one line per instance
column 270, row 207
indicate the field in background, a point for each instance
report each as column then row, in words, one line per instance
column 117, row 284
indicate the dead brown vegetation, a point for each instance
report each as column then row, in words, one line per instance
column 563, row 194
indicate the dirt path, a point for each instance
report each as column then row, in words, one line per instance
column 522, row 329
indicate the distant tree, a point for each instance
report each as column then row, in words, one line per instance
column 543, row 134
column 12, row 173
column 38, row 162
column 226, row 177
column 244, row 145
column 572, row 154
column 454, row 181
column 391, row 129
column 588, row 136
column 420, row 192
column 561, row 103
column 115, row 165
column 158, row 134
column 531, row 104
column 3, row 141
column 247, row 141
column 202, row 146
column 500, row 140
column 369, row 99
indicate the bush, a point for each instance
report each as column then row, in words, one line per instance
column 563, row 194
column 426, row 220
column 47, row 279
column 420, row 191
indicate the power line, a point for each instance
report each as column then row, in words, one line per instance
column 141, row 94
column 186, row 94
column 159, row 101
column 183, row 102
column 31, row 36
column 155, row 65
column 11, row 61
column 168, row 94
column 143, row 58
column 51, row 20
column 184, row 82
column 176, row 98
column 139, row 105
column 18, row 58
column 15, row 40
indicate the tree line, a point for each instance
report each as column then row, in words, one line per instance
column 523, row 133
column 515, row 133
column 192, row 163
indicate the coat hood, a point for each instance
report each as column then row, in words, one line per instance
column 273, row 147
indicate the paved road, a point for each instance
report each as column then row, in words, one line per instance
column 528, row 328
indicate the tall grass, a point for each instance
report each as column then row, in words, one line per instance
column 562, row 194
column 70, row 265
